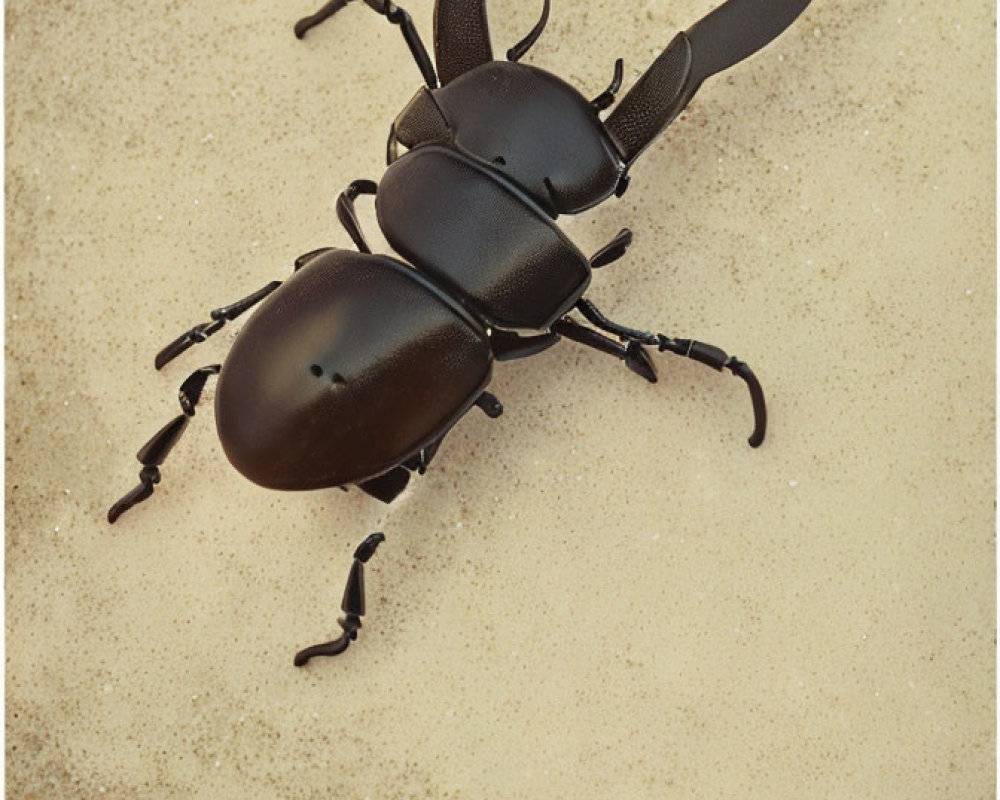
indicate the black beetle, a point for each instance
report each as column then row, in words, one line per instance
column 354, row 370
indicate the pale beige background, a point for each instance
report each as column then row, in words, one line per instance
column 606, row 593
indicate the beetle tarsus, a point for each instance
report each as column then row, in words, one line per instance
column 152, row 454
column 324, row 13
column 220, row 316
column 334, row 648
column 740, row 369
column 632, row 352
column 147, row 478
column 718, row 359
column 352, row 604
column 518, row 50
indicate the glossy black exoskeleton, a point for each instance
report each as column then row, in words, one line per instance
column 354, row 369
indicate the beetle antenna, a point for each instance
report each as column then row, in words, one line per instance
column 152, row 454
column 352, row 604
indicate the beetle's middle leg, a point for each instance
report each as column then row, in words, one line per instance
column 635, row 340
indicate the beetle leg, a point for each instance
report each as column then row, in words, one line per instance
column 707, row 354
column 508, row 346
column 606, row 98
column 220, row 316
column 352, row 604
column 396, row 15
column 613, row 250
column 518, row 50
column 313, row 20
column 155, row 451
column 348, row 215
column 635, row 358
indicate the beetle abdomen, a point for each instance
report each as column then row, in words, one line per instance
column 476, row 233
column 349, row 368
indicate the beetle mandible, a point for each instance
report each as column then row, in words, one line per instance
column 326, row 385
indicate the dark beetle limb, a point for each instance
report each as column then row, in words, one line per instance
column 706, row 354
column 155, row 451
column 489, row 404
column 635, row 358
column 396, row 15
column 613, row 250
column 352, row 604
column 324, row 13
column 220, row 316
column 348, row 215
column 518, row 50
column 606, row 98
column 718, row 359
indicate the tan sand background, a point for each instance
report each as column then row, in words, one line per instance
column 605, row 593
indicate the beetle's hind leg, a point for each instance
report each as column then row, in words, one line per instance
column 352, row 604
column 155, row 451
column 219, row 317
column 635, row 357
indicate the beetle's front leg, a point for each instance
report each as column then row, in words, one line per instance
column 353, row 604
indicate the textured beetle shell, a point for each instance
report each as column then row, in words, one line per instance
column 472, row 231
column 548, row 135
column 346, row 370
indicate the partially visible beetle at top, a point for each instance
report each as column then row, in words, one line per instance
column 353, row 370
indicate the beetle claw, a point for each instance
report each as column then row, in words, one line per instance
column 352, row 604
column 334, row 648
column 147, row 478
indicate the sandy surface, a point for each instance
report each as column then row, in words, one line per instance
column 605, row 593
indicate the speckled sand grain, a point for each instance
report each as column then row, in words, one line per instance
column 606, row 593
